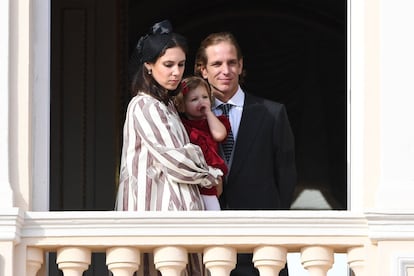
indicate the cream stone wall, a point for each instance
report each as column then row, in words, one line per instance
column 20, row 103
column 396, row 257
column 380, row 132
column 6, row 194
column 396, row 187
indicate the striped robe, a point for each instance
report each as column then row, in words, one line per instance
column 160, row 169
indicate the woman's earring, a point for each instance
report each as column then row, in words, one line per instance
column 149, row 72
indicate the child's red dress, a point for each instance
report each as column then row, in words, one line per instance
column 199, row 134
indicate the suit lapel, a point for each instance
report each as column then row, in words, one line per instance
column 250, row 122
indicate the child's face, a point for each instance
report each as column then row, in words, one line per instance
column 197, row 103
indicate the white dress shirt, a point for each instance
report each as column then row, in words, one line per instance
column 235, row 112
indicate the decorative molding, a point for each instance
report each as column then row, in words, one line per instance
column 11, row 223
column 402, row 263
column 391, row 226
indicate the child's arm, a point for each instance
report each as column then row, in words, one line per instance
column 217, row 128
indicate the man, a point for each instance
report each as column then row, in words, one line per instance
column 262, row 171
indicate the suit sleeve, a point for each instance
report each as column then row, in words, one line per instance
column 285, row 167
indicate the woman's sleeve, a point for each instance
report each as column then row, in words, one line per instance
column 167, row 141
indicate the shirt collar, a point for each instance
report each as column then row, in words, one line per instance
column 236, row 100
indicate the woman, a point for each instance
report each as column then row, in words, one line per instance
column 160, row 169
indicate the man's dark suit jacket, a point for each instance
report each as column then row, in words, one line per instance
column 263, row 171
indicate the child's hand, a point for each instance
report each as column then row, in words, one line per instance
column 205, row 108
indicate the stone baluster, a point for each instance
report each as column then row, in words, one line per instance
column 123, row 261
column 73, row 261
column 269, row 260
column 317, row 259
column 170, row 260
column 34, row 260
column 356, row 260
column 220, row 260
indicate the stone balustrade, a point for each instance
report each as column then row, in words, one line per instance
column 171, row 260
column 124, row 236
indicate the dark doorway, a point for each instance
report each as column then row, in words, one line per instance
column 86, row 95
column 88, row 45
column 294, row 53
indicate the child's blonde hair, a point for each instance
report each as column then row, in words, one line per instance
column 188, row 84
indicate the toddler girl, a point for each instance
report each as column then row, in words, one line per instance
column 204, row 128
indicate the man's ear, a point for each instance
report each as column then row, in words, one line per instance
column 204, row 73
column 240, row 66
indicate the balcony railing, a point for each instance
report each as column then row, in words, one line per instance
column 123, row 236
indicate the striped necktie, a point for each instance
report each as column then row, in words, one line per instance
column 228, row 144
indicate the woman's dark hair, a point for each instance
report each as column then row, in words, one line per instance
column 213, row 39
column 150, row 47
